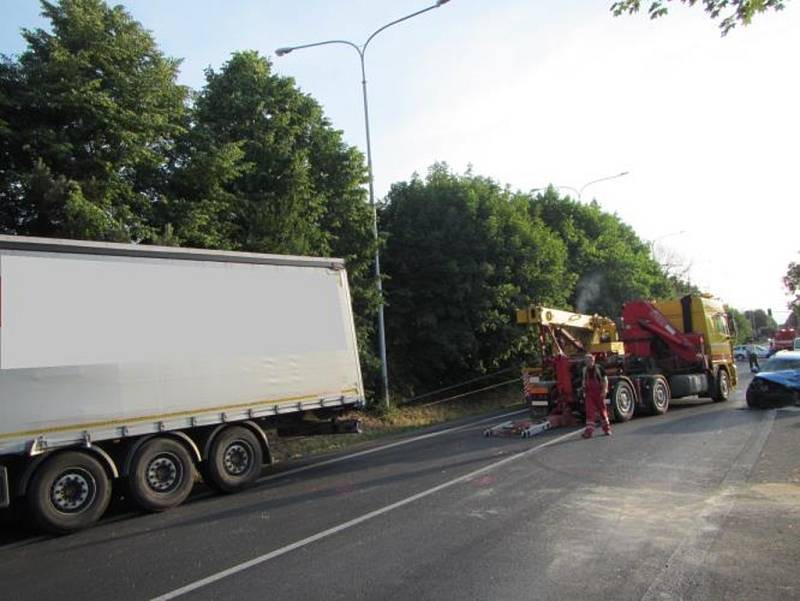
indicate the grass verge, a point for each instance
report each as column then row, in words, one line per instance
column 398, row 420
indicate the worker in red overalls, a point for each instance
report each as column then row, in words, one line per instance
column 595, row 388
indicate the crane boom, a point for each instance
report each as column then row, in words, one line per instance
column 587, row 333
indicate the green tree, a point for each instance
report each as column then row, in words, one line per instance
column 792, row 282
column 680, row 287
column 461, row 255
column 610, row 263
column 744, row 329
column 736, row 11
column 252, row 136
column 88, row 114
column 763, row 324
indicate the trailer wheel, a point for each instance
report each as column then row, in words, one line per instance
column 656, row 397
column 623, row 401
column 722, row 387
column 162, row 475
column 234, row 460
column 69, row 492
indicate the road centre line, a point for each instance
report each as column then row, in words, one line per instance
column 354, row 522
column 406, row 441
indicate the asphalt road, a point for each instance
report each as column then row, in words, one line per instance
column 702, row 503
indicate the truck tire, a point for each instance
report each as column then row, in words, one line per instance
column 68, row 492
column 234, row 460
column 161, row 475
column 722, row 386
column 656, row 396
column 623, row 401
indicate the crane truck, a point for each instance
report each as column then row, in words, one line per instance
column 146, row 365
column 666, row 350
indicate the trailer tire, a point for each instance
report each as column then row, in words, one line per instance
column 234, row 460
column 657, row 396
column 623, row 401
column 161, row 475
column 722, row 386
column 69, row 492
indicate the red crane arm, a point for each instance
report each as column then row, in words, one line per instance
column 643, row 320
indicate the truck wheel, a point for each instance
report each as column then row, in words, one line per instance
column 656, row 397
column 722, row 387
column 235, row 459
column 623, row 401
column 69, row 491
column 162, row 475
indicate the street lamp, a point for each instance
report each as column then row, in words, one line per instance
column 602, row 179
column 361, row 52
column 579, row 191
column 654, row 240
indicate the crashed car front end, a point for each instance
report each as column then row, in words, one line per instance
column 774, row 389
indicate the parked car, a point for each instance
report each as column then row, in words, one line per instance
column 777, row 383
column 741, row 352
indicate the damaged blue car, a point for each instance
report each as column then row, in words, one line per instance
column 777, row 382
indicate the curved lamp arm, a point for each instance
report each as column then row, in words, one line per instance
column 602, row 179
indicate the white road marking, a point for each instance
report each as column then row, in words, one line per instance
column 354, row 522
column 405, row 441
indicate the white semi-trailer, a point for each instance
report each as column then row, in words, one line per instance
column 147, row 364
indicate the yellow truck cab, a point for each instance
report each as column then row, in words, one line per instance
column 706, row 315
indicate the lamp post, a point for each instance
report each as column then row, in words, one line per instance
column 361, row 50
column 579, row 191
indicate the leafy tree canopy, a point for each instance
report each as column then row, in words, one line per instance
column 792, row 282
column 609, row 262
column 462, row 253
column 744, row 328
column 87, row 114
column 762, row 324
column 734, row 11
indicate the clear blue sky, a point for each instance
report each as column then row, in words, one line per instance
column 548, row 92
